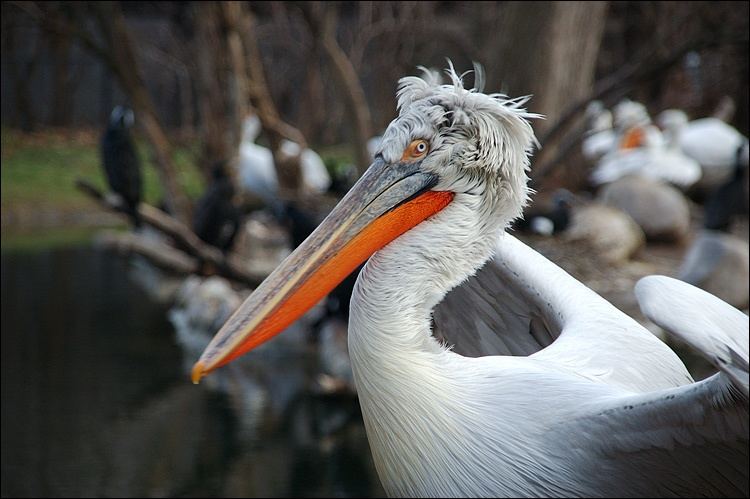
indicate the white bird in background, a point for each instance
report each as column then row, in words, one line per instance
column 642, row 150
column 257, row 172
column 600, row 136
column 373, row 145
column 709, row 141
column 568, row 396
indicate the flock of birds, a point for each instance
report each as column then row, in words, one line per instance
column 702, row 152
column 216, row 215
column 536, row 386
column 705, row 158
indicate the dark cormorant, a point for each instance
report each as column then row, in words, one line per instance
column 731, row 198
column 548, row 221
column 216, row 219
column 121, row 162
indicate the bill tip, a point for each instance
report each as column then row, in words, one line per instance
column 198, row 372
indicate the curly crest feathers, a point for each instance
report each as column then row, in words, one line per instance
column 488, row 135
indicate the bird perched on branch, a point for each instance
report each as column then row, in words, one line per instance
column 549, row 390
column 216, row 219
column 120, row 161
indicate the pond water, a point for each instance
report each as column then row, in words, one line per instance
column 96, row 401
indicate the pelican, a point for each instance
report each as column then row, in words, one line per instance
column 257, row 172
column 600, row 138
column 549, row 390
column 642, row 149
column 709, row 141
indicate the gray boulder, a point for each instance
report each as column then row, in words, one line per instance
column 609, row 231
column 659, row 209
column 718, row 263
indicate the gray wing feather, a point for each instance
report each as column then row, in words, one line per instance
column 718, row 331
column 470, row 317
column 690, row 440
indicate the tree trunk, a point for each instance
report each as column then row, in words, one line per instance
column 287, row 168
column 549, row 50
column 210, row 50
column 239, row 94
column 61, row 91
column 21, row 74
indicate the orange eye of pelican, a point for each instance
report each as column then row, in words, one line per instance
column 416, row 150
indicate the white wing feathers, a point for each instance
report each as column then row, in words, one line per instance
column 657, row 432
column 521, row 303
column 689, row 440
column 718, row 331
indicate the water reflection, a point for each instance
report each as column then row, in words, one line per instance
column 95, row 401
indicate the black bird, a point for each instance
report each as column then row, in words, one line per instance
column 731, row 198
column 298, row 223
column 548, row 221
column 216, row 219
column 120, row 160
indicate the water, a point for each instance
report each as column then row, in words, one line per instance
column 96, row 402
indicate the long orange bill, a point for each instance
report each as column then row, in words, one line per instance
column 633, row 138
column 387, row 201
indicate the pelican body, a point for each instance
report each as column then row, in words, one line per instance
column 537, row 386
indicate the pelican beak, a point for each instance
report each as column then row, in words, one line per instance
column 633, row 138
column 387, row 201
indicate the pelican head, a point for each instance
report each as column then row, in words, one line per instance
column 672, row 119
column 454, row 154
column 629, row 114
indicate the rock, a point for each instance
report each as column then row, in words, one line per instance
column 260, row 384
column 718, row 263
column 611, row 232
column 333, row 357
column 659, row 209
column 262, row 242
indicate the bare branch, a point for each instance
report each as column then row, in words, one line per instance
column 322, row 21
column 226, row 265
column 160, row 254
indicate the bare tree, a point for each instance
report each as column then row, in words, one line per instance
column 322, row 19
column 275, row 128
column 549, row 50
column 211, row 79
column 20, row 71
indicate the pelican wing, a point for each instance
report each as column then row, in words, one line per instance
column 718, row 331
column 690, row 440
column 521, row 303
column 471, row 315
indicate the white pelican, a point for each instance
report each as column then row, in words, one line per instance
column 594, row 405
column 257, row 172
column 709, row 141
column 642, row 149
column 600, row 137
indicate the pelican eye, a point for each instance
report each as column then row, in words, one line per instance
column 415, row 150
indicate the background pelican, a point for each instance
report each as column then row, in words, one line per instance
column 257, row 172
column 581, row 401
column 709, row 141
